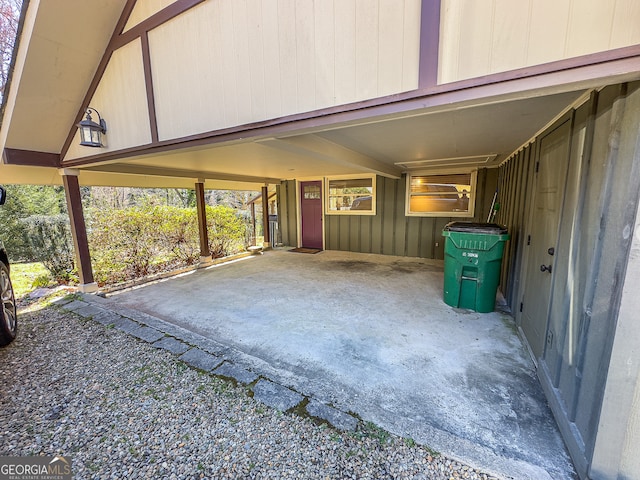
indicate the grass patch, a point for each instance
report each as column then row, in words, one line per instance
column 24, row 275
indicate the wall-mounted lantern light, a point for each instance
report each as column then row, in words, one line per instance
column 90, row 131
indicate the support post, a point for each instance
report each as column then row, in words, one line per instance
column 253, row 224
column 205, row 253
column 265, row 216
column 78, row 230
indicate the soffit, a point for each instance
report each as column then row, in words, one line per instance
column 66, row 47
column 490, row 132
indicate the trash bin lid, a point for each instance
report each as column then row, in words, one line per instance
column 472, row 227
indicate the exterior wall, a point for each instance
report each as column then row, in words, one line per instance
column 243, row 61
column 592, row 250
column 287, row 212
column 480, row 37
column 121, row 99
column 390, row 231
column 618, row 441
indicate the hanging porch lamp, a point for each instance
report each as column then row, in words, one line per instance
column 90, row 131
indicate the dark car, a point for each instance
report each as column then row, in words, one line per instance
column 8, row 317
column 362, row 203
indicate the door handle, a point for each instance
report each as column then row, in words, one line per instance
column 545, row 268
column 551, row 251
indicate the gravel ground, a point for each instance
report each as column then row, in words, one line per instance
column 123, row 409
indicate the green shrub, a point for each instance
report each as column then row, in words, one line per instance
column 41, row 281
column 227, row 231
column 50, row 241
column 134, row 242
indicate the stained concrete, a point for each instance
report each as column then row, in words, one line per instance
column 370, row 334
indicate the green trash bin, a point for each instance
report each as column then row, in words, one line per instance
column 472, row 259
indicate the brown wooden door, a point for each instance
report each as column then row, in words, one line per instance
column 311, row 214
column 542, row 238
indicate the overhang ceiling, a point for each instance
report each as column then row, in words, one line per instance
column 471, row 136
column 57, row 59
column 56, row 65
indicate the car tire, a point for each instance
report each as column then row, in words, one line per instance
column 8, row 311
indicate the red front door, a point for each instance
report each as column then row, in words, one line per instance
column 311, row 214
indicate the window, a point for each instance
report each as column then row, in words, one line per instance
column 450, row 195
column 311, row 192
column 353, row 195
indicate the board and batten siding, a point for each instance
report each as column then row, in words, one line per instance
column 481, row 37
column 121, row 99
column 390, row 231
column 287, row 212
column 144, row 9
column 592, row 252
column 231, row 62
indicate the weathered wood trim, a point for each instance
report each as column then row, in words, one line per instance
column 118, row 39
column 465, row 90
column 429, row 43
column 14, row 156
column 148, row 80
column 78, row 228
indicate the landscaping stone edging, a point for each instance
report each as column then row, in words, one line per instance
column 204, row 355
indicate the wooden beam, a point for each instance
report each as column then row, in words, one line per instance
column 205, row 253
column 265, row 216
column 78, row 230
column 148, row 80
column 30, row 158
column 174, row 172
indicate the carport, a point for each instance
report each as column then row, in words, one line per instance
column 377, row 341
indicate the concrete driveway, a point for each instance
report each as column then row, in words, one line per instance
column 370, row 334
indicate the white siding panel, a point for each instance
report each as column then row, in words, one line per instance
column 345, row 52
column 121, row 99
column 271, row 53
column 475, row 38
column 624, row 32
column 255, row 44
column 481, row 37
column 548, row 31
column 214, row 81
column 410, row 48
column 288, row 55
column 366, row 49
column 229, row 62
column 325, row 47
column 510, row 34
column 589, row 28
column 305, row 54
column 449, row 48
column 391, row 18
column 242, row 62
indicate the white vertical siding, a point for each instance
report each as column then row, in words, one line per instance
column 231, row 62
column 121, row 99
column 480, row 37
column 345, row 51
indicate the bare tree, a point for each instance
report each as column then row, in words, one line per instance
column 9, row 17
